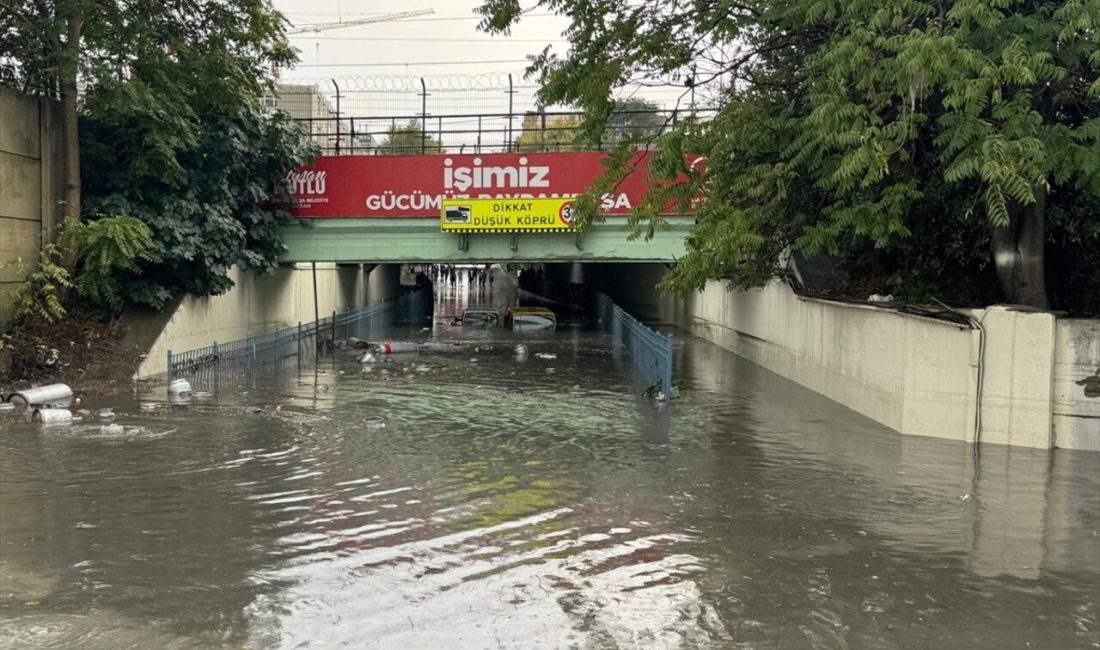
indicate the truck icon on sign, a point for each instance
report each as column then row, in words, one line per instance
column 457, row 214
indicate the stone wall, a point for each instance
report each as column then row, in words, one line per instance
column 30, row 182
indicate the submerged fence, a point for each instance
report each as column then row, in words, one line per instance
column 650, row 351
column 276, row 350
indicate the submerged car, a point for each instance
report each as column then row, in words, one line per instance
column 531, row 318
column 480, row 318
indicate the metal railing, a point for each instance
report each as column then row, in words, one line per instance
column 208, row 366
column 485, row 132
column 650, row 352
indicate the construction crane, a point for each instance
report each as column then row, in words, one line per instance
column 384, row 18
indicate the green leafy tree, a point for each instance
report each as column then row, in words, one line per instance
column 206, row 198
column 408, row 139
column 225, row 49
column 39, row 295
column 840, row 121
column 104, row 248
column 170, row 127
column 549, row 133
column 635, row 121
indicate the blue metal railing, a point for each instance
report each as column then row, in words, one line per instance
column 650, row 352
column 253, row 355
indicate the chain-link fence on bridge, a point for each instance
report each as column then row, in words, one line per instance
column 465, row 114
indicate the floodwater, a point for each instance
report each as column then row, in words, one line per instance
column 433, row 505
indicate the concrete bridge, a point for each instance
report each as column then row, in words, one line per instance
column 379, row 208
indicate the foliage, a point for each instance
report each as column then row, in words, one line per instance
column 634, row 121
column 230, row 45
column 549, row 133
column 39, row 296
column 171, row 127
column 840, row 120
column 204, row 189
column 103, row 248
column 409, row 138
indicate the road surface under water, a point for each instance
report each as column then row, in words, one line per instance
column 423, row 504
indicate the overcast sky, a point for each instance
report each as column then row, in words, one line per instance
column 446, row 47
column 428, row 45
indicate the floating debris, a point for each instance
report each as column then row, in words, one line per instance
column 513, row 391
column 374, row 422
column 546, row 355
column 106, row 414
column 52, row 416
column 47, row 394
column 179, row 387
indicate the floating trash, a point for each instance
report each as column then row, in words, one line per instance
column 42, row 395
column 52, row 416
column 254, row 410
column 179, row 387
column 473, row 360
column 513, row 391
column 551, row 371
column 546, row 355
column 106, row 414
column 112, row 430
column 368, row 358
column 390, row 347
column 521, row 349
column 374, row 422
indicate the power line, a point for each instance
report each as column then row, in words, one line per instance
column 433, row 20
column 410, row 63
column 430, row 40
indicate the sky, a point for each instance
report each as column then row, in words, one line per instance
column 378, row 66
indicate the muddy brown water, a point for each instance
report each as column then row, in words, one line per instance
column 430, row 506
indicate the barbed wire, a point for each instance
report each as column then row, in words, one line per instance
column 412, row 83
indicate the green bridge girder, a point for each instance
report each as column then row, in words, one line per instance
column 381, row 240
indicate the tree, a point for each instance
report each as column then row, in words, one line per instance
column 409, row 139
column 170, row 128
column 207, row 198
column 635, row 120
column 226, row 49
column 549, row 133
column 840, row 120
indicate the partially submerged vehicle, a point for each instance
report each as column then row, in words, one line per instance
column 530, row 318
column 480, row 318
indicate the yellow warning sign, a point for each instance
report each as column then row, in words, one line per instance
column 506, row 215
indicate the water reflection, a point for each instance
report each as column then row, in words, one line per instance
column 467, row 500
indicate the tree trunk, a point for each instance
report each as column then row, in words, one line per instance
column 1018, row 252
column 70, row 135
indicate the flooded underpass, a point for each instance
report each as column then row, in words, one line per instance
column 465, row 497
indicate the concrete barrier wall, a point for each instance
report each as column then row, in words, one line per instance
column 30, row 182
column 1076, row 390
column 916, row 375
column 259, row 304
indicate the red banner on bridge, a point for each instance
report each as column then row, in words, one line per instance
column 414, row 186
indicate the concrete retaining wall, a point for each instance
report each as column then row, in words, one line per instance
column 259, row 304
column 916, row 375
column 30, row 182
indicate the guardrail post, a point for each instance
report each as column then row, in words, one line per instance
column 217, row 366
column 299, row 337
column 169, row 371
